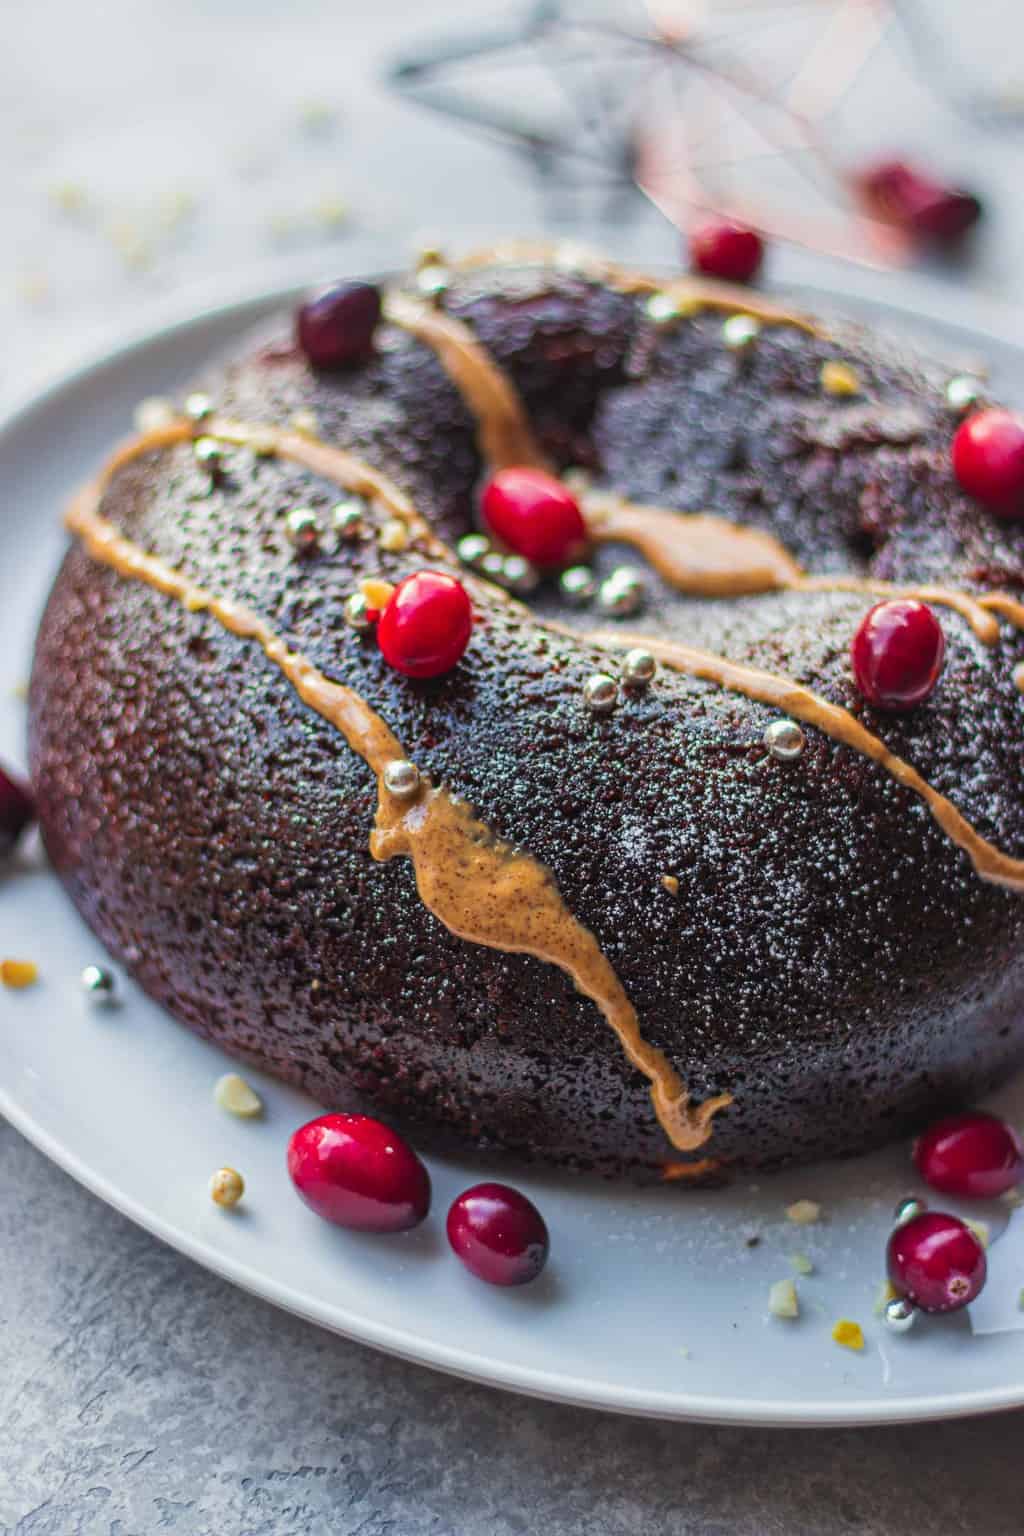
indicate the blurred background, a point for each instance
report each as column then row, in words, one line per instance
column 160, row 152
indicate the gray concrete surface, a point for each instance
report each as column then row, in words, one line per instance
column 146, row 146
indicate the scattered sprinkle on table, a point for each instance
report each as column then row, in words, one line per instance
column 782, row 1299
column 803, row 1213
column 18, row 973
column 233, row 1093
column 226, row 1187
column 849, row 1335
column 801, row 1263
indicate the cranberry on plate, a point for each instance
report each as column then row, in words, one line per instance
column 426, row 624
column 988, row 461
column 970, row 1154
column 356, row 1172
column 897, row 653
column 937, row 1262
column 335, row 327
column 498, row 1234
column 533, row 514
column 721, row 248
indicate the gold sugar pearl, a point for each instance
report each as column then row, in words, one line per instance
column 393, row 536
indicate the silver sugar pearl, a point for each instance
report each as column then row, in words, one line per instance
column 578, row 585
column 198, row 407
column 401, row 777
column 600, row 693
column 302, row 529
column 357, row 612
column 907, row 1209
column 785, row 740
column 348, row 519
column 99, row 983
column 433, row 281
column 662, row 310
column 900, row 1314
column 492, row 565
column 622, row 592
column 740, row 332
column 963, row 393
column 472, row 548
column 209, row 455
column 638, row 667
column 519, row 575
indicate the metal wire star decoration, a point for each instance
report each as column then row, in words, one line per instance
column 724, row 106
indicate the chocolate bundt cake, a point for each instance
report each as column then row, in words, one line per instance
column 650, row 881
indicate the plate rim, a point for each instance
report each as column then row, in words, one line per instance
column 979, row 319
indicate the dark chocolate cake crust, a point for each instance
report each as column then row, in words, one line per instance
column 830, row 958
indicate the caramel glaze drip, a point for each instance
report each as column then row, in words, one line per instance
column 503, row 430
column 480, row 888
column 800, row 703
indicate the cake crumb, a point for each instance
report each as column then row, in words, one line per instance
column 848, row 1334
column 801, row 1263
column 782, row 1299
column 803, row 1213
column 839, row 379
column 18, row 973
column 671, row 884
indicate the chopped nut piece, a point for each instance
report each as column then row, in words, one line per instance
column 671, row 884
column 849, row 1335
column 18, row 973
column 839, row 379
column 782, row 1299
column 234, row 1094
column 226, row 1186
column 886, row 1292
column 376, row 591
column 980, row 1230
column 393, row 536
column 803, row 1212
column 801, row 1263
column 305, row 423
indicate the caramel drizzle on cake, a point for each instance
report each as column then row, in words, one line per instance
column 481, row 888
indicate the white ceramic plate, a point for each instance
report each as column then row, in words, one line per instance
column 654, row 1303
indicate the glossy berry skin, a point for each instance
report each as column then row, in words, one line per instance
column 897, row 653
column 357, row 1173
column 726, row 250
column 335, row 328
column 973, row 1154
column 498, row 1234
column 937, row 1262
column 16, row 811
column 923, row 207
column 988, row 461
column 533, row 514
column 426, row 624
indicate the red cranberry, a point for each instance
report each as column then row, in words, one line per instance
column 988, row 461
column 498, row 1234
column 426, row 624
column 905, row 195
column 937, row 1261
column 534, row 515
column 358, row 1173
column 335, row 328
column 971, row 1154
column 726, row 250
column 897, row 653
column 16, row 811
